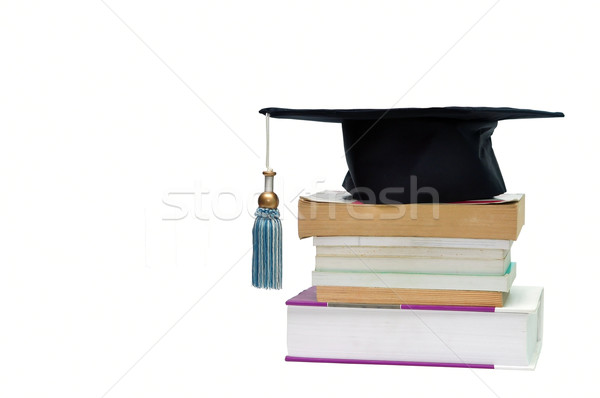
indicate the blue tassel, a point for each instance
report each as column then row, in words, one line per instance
column 266, row 258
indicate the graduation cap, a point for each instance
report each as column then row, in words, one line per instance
column 404, row 155
column 417, row 155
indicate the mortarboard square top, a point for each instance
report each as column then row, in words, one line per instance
column 418, row 155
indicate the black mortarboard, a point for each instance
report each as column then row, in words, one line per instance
column 418, row 155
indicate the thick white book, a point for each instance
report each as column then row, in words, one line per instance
column 508, row 337
column 411, row 241
column 495, row 283
column 422, row 265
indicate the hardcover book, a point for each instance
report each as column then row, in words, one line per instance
column 500, row 219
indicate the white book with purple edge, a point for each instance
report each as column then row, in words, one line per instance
column 508, row 337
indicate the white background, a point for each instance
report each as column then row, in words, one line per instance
column 103, row 114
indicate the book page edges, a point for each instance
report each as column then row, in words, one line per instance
column 459, row 221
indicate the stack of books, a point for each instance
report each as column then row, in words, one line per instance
column 417, row 284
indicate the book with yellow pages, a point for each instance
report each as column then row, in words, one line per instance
column 334, row 213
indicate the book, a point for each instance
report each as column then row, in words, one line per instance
column 412, row 241
column 507, row 337
column 422, row 265
column 409, row 252
column 495, row 283
column 500, row 220
column 390, row 296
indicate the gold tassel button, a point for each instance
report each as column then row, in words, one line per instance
column 268, row 200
